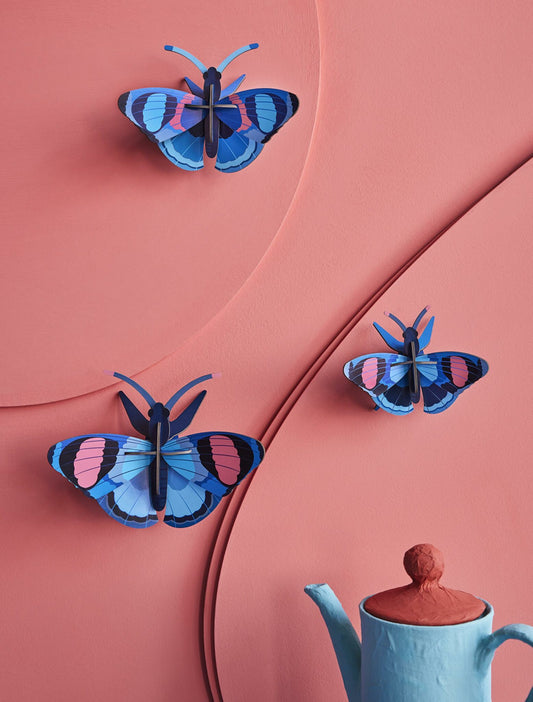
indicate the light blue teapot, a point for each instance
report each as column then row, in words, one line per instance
column 414, row 662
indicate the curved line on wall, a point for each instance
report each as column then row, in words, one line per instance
column 234, row 502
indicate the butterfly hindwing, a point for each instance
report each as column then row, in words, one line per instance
column 236, row 152
column 130, row 503
column 185, row 150
column 445, row 375
column 187, row 502
column 214, row 464
column 384, row 376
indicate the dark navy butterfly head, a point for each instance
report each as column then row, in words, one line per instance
column 158, row 428
column 158, row 412
column 212, row 78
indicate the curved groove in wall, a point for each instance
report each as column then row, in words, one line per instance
column 229, row 513
column 232, row 507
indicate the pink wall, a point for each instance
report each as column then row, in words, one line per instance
column 410, row 113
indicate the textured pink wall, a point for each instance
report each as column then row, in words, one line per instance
column 409, row 113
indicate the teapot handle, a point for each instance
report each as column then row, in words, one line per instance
column 521, row 632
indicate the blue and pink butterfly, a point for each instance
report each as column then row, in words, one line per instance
column 132, row 479
column 233, row 126
column 397, row 381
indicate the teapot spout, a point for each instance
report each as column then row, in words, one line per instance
column 343, row 636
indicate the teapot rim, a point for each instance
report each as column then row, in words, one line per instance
column 489, row 611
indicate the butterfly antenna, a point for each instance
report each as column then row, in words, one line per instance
column 234, row 55
column 170, row 404
column 135, row 385
column 182, row 52
column 395, row 319
column 419, row 318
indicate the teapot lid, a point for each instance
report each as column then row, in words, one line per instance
column 425, row 601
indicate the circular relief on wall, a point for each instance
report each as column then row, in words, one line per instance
column 114, row 257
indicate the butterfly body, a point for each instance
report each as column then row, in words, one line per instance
column 132, row 479
column 399, row 380
column 232, row 126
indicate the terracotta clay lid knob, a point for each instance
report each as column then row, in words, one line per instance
column 425, row 601
column 424, row 565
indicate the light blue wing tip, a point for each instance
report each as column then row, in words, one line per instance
column 168, row 47
column 255, row 45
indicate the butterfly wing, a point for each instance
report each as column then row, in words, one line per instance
column 130, row 503
column 214, row 463
column 161, row 114
column 235, row 151
column 110, row 469
column 257, row 116
column 384, row 377
column 444, row 376
column 185, row 150
column 260, row 114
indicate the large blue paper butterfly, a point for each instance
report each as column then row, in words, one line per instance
column 396, row 380
column 132, row 479
column 233, row 126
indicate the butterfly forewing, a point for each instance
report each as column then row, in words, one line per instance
column 161, row 113
column 112, row 469
column 446, row 376
column 96, row 463
column 384, row 376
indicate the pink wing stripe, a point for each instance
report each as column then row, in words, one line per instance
column 88, row 461
column 459, row 371
column 175, row 122
column 369, row 373
column 246, row 123
column 229, row 465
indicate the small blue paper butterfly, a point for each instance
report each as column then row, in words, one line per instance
column 233, row 126
column 395, row 380
column 132, row 479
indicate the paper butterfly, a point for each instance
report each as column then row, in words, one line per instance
column 233, row 126
column 395, row 380
column 132, row 479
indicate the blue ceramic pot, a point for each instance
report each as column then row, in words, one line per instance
column 403, row 663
